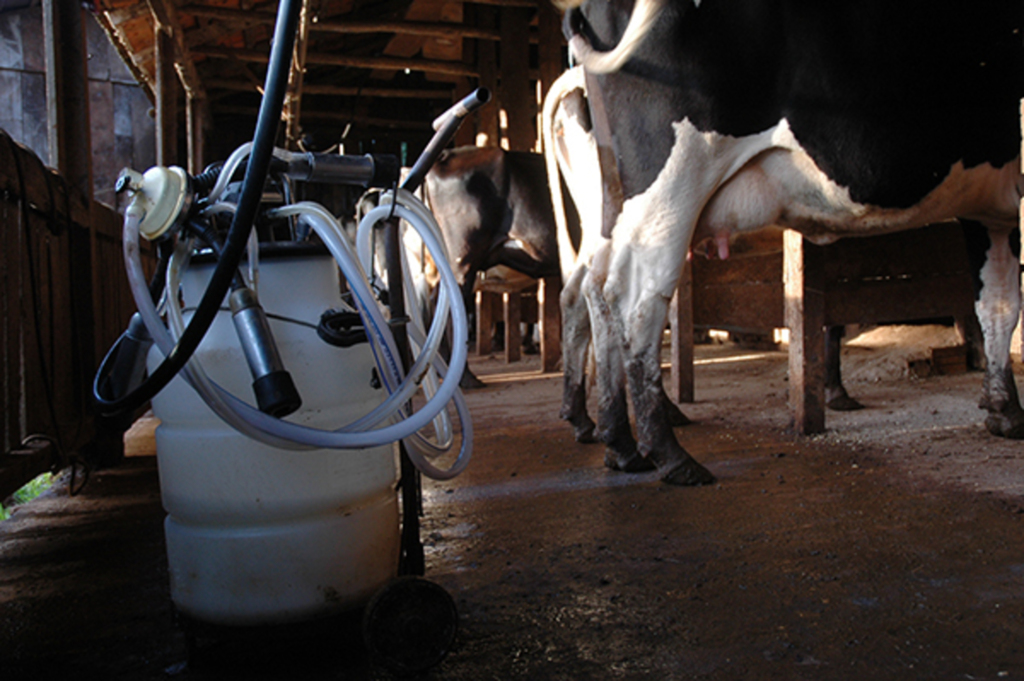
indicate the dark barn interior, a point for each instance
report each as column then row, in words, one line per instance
column 884, row 544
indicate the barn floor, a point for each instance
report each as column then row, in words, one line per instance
column 889, row 548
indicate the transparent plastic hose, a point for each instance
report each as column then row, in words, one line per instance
column 193, row 372
column 276, row 432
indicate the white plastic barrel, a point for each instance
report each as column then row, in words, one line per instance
column 260, row 535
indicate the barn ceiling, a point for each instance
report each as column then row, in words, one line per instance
column 388, row 65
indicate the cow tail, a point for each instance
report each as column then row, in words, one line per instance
column 644, row 14
column 566, row 82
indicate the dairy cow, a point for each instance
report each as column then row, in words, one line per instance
column 571, row 156
column 836, row 119
column 494, row 209
column 572, row 160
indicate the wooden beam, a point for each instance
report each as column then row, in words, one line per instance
column 69, row 133
column 196, row 115
column 22, row 465
column 238, row 17
column 549, row 315
column 338, row 90
column 485, row 304
column 681, row 377
column 67, row 95
column 257, row 17
column 507, row 3
column 804, row 277
column 341, row 116
column 466, row 134
column 419, row 28
column 166, row 99
column 296, row 77
column 387, row 63
column 517, row 99
column 125, row 52
column 207, row 32
column 513, row 333
column 166, row 16
column 549, row 46
column 487, row 65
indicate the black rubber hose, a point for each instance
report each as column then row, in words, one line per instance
column 205, row 181
column 276, row 85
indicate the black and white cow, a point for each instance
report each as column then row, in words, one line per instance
column 494, row 209
column 842, row 118
column 572, row 157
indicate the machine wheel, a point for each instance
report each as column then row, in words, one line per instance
column 410, row 625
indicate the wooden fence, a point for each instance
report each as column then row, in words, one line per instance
column 64, row 300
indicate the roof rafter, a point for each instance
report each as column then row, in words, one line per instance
column 166, row 15
column 323, row 59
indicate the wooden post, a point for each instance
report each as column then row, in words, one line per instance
column 293, row 102
column 466, row 134
column 517, row 100
column 513, row 333
column 67, row 94
column 166, row 99
column 681, row 326
column 484, row 321
column 804, row 280
column 487, row 67
column 1018, row 333
column 549, row 315
column 70, row 144
column 549, row 46
column 195, row 117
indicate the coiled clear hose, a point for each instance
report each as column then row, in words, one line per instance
column 279, row 433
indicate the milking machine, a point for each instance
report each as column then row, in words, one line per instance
column 284, row 371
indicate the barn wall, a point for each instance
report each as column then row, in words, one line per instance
column 123, row 131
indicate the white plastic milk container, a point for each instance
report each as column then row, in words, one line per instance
column 260, row 535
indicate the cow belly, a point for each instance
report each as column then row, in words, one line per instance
column 783, row 186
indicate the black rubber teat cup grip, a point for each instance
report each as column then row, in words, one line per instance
column 274, row 388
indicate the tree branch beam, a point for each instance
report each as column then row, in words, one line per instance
column 337, row 90
column 322, row 59
column 166, row 15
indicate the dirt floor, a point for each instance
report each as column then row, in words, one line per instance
column 888, row 548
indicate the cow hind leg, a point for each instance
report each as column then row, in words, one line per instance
column 575, row 341
column 995, row 256
column 613, row 427
column 836, row 397
column 675, row 415
column 656, row 441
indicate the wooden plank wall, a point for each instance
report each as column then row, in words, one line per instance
column 123, row 128
column 45, row 374
column 22, row 79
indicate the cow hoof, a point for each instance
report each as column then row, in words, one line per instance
column 843, row 402
column 469, row 381
column 687, row 473
column 632, row 463
column 585, row 434
column 531, row 349
column 1005, row 426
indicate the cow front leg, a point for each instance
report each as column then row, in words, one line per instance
column 998, row 307
column 575, row 342
column 655, row 439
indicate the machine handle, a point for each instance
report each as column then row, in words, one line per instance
column 369, row 170
column 446, row 125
